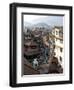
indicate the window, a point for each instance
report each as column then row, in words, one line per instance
column 61, row 41
column 54, row 46
column 56, row 32
column 61, row 49
column 53, row 41
column 61, row 34
column 60, row 58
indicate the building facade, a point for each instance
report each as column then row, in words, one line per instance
column 57, row 33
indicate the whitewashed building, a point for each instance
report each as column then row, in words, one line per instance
column 57, row 33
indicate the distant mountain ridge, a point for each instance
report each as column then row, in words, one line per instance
column 42, row 25
column 27, row 24
column 38, row 25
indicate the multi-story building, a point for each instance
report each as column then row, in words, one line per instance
column 57, row 33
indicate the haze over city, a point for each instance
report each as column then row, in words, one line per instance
column 49, row 20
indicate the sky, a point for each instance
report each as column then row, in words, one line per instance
column 50, row 20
